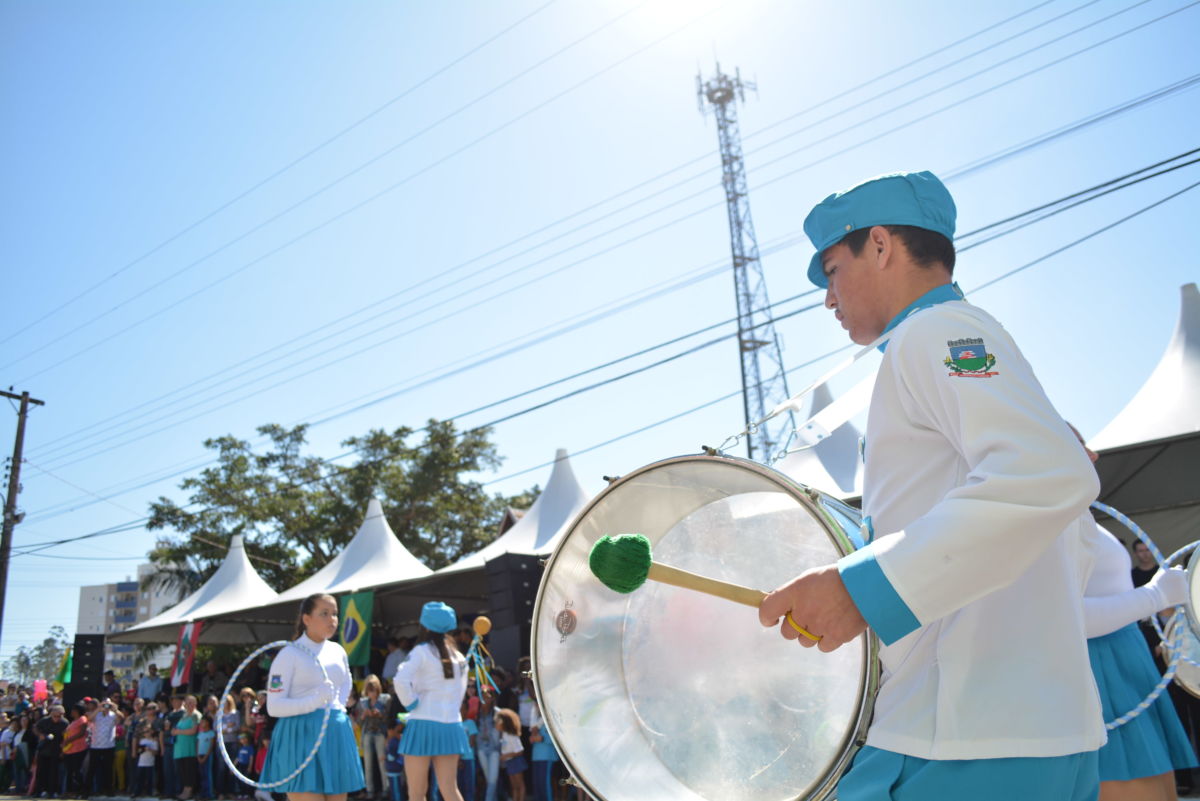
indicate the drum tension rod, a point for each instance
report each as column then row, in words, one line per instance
column 611, row 479
column 710, row 451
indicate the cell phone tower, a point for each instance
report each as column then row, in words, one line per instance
column 764, row 382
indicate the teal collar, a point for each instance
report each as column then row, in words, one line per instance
column 941, row 294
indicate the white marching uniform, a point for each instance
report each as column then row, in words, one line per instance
column 420, row 678
column 974, row 488
column 299, row 695
column 296, row 685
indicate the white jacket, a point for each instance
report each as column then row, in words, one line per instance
column 420, row 678
column 295, row 680
column 974, row 488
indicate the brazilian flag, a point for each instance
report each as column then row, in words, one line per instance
column 63, row 677
column 355, row 626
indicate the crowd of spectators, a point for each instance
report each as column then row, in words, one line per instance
column 142, row 740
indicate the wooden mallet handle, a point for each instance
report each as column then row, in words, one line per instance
column 665, row 574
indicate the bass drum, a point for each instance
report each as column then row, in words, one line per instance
column 667, row 694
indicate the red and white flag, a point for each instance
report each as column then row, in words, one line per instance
column 185, row 651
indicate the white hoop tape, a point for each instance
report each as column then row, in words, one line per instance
column 320, row 735
column 1173, row 646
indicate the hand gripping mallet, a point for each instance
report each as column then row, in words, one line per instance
column 623, row 563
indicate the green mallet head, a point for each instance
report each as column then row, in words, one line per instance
column 622, row 562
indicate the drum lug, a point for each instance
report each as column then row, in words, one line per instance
column 611, row 479
column 569, row 781
column 813, row 494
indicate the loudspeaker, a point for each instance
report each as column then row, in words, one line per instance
column 87, row 668
column 512, row 582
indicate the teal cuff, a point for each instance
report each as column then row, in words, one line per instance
column 877, row 600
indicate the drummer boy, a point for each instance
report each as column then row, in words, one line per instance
column 973, row 486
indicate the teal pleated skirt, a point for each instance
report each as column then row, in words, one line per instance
column 337, row 767
column 1152, row 743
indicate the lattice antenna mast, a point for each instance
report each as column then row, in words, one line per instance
column 764, row 383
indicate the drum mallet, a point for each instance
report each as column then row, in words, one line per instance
column 623, row 563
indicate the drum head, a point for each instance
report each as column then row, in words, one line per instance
column 669, row 694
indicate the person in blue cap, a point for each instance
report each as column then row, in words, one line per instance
column 974, row 491
column 431, row 684
column 308, row 675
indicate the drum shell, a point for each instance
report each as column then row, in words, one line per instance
column 685, row 501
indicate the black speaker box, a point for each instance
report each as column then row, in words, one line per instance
column 512, row 582
column 87, row 669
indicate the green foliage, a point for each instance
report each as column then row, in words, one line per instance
column 295, row 513
column 40, row 661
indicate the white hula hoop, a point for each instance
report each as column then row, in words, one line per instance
column 1174, row 646
column 320, row 735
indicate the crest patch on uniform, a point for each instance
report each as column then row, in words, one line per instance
column 276, row 684
column 969, row 359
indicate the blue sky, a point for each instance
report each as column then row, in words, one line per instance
column 205, row 203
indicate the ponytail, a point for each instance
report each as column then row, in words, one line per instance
column 439, row 641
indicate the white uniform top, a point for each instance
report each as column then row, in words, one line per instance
column 295, row 677
column 420, row 678
column 974, row 487
column 1111, row 602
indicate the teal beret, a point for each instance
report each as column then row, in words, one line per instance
column 437, row 616
column 918, row 199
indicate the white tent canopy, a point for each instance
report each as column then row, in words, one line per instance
column 832, row 465
column 375, row 556
column 1167, row 405
column 235, row 585
column 543, row 525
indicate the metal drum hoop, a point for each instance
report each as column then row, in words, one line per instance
column 812, row 501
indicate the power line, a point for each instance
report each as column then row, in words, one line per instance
column 321, row 226
column 225, row 402
column 430, row 166
column 264, row 181
column 675, row 203
column 985, row 285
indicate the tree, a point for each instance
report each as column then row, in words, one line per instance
column 295, row 512
column 40, row 661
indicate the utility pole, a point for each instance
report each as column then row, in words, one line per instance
column 764, row 381
column 11, row 518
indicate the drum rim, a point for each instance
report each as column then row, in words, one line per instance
column 856, row 734
column 1187, row 687
column 1192, row 570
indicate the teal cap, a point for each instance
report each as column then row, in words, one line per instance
column 437, row 616
column 918, row 199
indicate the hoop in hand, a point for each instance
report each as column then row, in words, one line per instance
column 320, row 736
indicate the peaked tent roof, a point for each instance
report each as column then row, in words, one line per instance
column 833, row 465
column 540, row 529
column 235, row 585
column 373, row 557
column 1166, row 405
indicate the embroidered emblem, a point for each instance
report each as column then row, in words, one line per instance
column 276, row 683
column 969, row 359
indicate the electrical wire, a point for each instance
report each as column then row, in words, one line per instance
column 285, row 168
column 587, row 241
column 224, row 401
column 25, row 550
column 320, row 226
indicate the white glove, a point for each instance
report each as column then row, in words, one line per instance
column 1170, row 587
column 324, row 694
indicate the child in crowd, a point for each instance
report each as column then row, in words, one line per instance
column 395, row 761
column 260, row 758
column 512, row 753
column 244, row 762
column 147, row 751
column 205, row 741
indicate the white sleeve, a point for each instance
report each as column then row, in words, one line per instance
column 405, row 675
column 1026, row 477
column 280, row 703
column 1105, row 614
column 344, row 691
